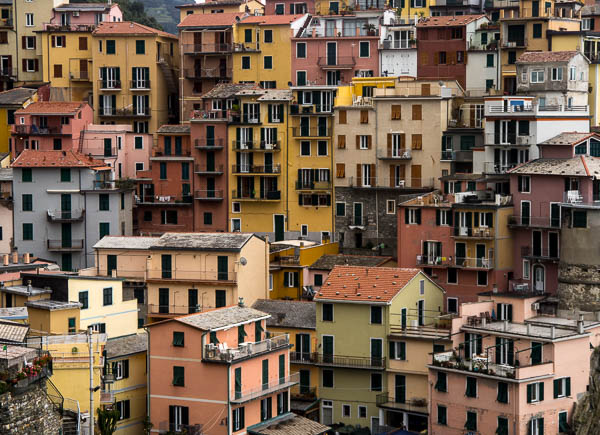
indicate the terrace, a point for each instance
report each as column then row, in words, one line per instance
column 219, row 352
column 241, row 396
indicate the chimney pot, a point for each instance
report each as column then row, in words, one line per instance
column 27, row 258
column 5, row 260
column 15, row 257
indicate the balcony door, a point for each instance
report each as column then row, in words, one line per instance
column 525, row 212
column 480, row 254
column 304, row 381
column 331, row 53
column 328, row 348
column 279, row 223
column 303, row 347
column 400, row 389
column 376, row 352
column 460, row 253
column 536, row 243
column 65, row 205
column 67, row 240
column 163, row 300
column 539, row 278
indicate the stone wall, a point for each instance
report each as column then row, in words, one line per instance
column 29, row 413
column 579, row 286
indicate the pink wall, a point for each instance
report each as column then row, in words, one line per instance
column 89, row 17
column 270, row 6
column 556, row 151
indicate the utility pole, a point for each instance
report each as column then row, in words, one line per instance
column 90, row 331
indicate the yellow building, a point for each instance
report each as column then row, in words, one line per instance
column 253, row 7
column 11, row 101
column 288, row 265
column 126, row 362
column 54, row 317
column 134, row 76
column 261, row 41
column 18, row 295
column 297, row 319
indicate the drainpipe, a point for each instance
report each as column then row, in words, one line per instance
column 148, row 372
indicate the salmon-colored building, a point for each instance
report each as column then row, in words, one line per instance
column 50, row 125
column 220, row 372
column 515, row 367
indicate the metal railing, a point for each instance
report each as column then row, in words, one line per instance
column 207, row 48
column 125, row 111
column 471, row 232
column 220, row 352
column 8, row 72
column 417, row 405
column 303, row 392
column 313, row 185
column 171, row 309
column 311, row 132
column 65, row 216
column 534, row 221
column 514, row 44
column 163, row 199
column 209, row 144
column 208, row 169
column 474, row 263
column 65, row 245
column 187, row 429
column 397, row 154
column 338, row 62
column 209, row 194
column 397, row 44
column 139, row 85
column 69, row 27
column 246, row 46
column 207, row 73
column 83, row 76
column 237, row 145
column 6, row 22
column 217, row 115
column 40, row 131
column 239, row 396
column 245, row 118
column 497, row 168
column 256, row 169
column 359, row 362
column 269, row 195
column 108, row 85
column 307, row 109
column 192, row 275
column 540, row 253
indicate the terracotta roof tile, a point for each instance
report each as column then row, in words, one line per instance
column 365, row 284
column 210, row 20
column 211, row 4
column 546, row 56
column 270, row 20
column 55, row 159
column 580, row 166
column 459, row 20
column 52, row 107
column 128, row 28
column 569, row 138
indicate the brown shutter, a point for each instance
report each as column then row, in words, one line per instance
column 342, row 117
column 416, row 141
column 369, row 143
column 402, row 141
column 24, row 42
column 342, row 141
column 424, row 58
column 392, row 175
column 436, row 58
column 415, row 174
column 340, row 170
column 364, row 116
column 24, row 65
column 416, row 112
column 57, row 70
column 357, row 142
column 402, row 173
column 452, row 56
column 389, row 145
column 3, row 37
column 358, row 174
column 426, row 89
column 64, row 41
column 53, row 39
column 373, row 175
column 396, row 111
column 36, row 65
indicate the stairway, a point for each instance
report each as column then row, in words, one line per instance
column 169, row 76
column 69, row 426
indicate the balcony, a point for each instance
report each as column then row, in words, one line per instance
column 310, row 109
column 209, row 276
column 7, row 73
column 104, row 185
column 65, row 216
column 497, row 168
column 266, row 389
column 240, row 146
column 250, row 47
column 301, row 132
column 208, row 169
column 209, row 195
column 387, row 400
column 286, row 260
column 107, row 397
column 482, row 365
column 80, row 76
column 473, row 233
column 540, row 254
column 313, row 185
column 187, row 429
column 69, row 27
column 65, row 245
column 40, row 131
column 245, row 118
column 256, row 169
column 481, row 263
column 213, row 115
column 209, row 144
column 520, row 43
column 340, row 62
column 125, row 112
column 163, row 200
column 221, row 353
column 524, row 141
column 207, row 73
column 6, row 23
column 172, row 310
column 391, row 183
column 534, row 222
column 214, row 48
column 303, row 393
column 352, row 362
column 529, row 109
column 395, row 154
column 139, row 85
column 271, row 195
column 397, row 44
column 109, row 85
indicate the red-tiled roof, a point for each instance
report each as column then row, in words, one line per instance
column 55, row 159
column 546, row 56
column 270, row 20
column 458, row 20
column 210, row 20
column 52, row 107
column 128, row 28
column 365, row 284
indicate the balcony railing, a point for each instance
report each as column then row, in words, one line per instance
column 540, row 254
column 209, row 144
column 187, row 429
column 139, row 85
column 386, row 183
column 80, row 76
column 475, row 233
column 397, row 154
column 534, row 221
column 216, row 115
column 256, row 169
column 270, row 195
column 69, row 27
column 209, row 195
column 390, row 401
column 125, row 112
column 497, row 168
column 340, row 62
column 207, row 73
column 109, row 85
column 266, row 389
column 6, row 22
column 452, row 261
column 174, row 310
column 104, row 185
column 245, row 118
column 208, row 169
column 207, row 48
column 309, row 109
column 313, row 185
column 65, row 216
column 520, row 43
column 397, row 44
column 8, row 72
column 358, row 362
column 65, row 245
column 311, row 132
column 526, row 141
column 219, row 352
column 163, row 199
column 192, row 275
column 38, row 131
column 286, row 260
column 237, row 145
column 303, row 392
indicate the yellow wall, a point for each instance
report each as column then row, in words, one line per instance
column 133, row 389
column 4, row 127
column 345, row 93
column 52, row 322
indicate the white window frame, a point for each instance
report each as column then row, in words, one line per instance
column 27, row 41
column 537, row 76
column 297, row 44
column 534, row 426
column 365, row 175
column 276, row 115
column 177, row 411
column 270, row 282
column 139, row 163
column 233, row 221
column 586, row 23
column 236, row 418
column 291, row 282
column 236, row 207
column 119, row 370
column 304, row 230
column 345, row 407
column 520, row 184
column 363, row 142
column 422, row 287
column 361, row 408
column 390, row 204
column 29, row 20
column 419, row 4
column 557, row 74
column 448, row 305
column 29, row 65
column 22, row 120
column 309, row 148
column 526, row 269
column 412, row 216
column 396, row 346
column 327, row 404
column 444, row 217
column 563, row 387
column 572, row 73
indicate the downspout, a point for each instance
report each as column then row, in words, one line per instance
column 331, row 175
column 148, row 401
column 15, row 20
column 378, row 175
column 287, row 172
column 85, row 241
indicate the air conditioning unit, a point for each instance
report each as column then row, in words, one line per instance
column 75, row 13
column 414, row 323
column 523, row 140
column 535, row 306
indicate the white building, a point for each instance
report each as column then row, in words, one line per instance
column 398, row 46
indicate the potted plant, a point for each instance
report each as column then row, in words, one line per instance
column 370, row 28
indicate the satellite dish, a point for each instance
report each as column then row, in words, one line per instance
column 243, row 261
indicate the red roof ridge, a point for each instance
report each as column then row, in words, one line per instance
column 585, row 166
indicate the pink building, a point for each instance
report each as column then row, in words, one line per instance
column 82, row 16
column 544, row 191
column 50, row 125
column 289, row 7
column 332, row 49
column 127, row 152
column 249, row 374
column 512, row 369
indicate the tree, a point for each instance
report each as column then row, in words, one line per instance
column 107, row 420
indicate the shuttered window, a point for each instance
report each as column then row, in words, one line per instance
column 417, row 112
column 396, row 111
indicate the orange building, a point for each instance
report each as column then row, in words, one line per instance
column 248, row 369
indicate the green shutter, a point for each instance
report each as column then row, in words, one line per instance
column 238, row 382
column 529, row 393
column 402, row 350
column 556, row 387
column 392, row 350
column 281, row 369
column 541, row 391
column 213, row 337
column 568, row 387
column 265, row 374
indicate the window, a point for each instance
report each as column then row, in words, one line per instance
column 27, row 231
column 301, row 50
column 140, row 46
column 524, row 183
column 557, row 74
column 376, row 382
column 26, row 175
column 346, row 411
column 340, row 209
column 29, row 42
column 163, row 170
column 110, row 46
column 362, row 411
column 300, row 78
column 139, row 142
column 572, row 73
column 139, row 166
column 178, row 417
column 471, row 390
column 376, row 314
column 482, row 278
column 27, row 202
column 390, row 206
column 266, row 409
column 442, row 58
column 328, row 378
column 441, row 382
column 327, row 312
column 305, row 148
column 471, row 423
column 563, row 425
column 364, row 49
column 579, row 219
column 268, row 36
column 65, row 175
column 396, row 111
column 398, row 350
column 120, row 369
column 412, row 216
column 502, row 396
column 99, row 327
column 322, row 148
column 268, row 62
column 238, row 419
column 442, row 415
column 512, row 57
column 453, row 304
column 536, row 426
column 178, row 339
column 537, row 76
column 562, row 387
column 363, row 142
column 83, row 300
column 178, row 376
column 586, row 23
column 417, row 112
column 103, row 202
column 535, row 392
column 422, row 287
column 220, row 298
column 107, row 296
column 537, row 30
column 29, row 20
column 245, row 62
column 124, row 409
column 303, row 230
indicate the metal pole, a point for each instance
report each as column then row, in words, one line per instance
column 91, row 380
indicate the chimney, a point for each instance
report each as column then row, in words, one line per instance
column 580, row 324
column 15, row 257
column 505, row 325
column 27, row 258
column 483, row 321
column 552, row 332
column 241, row 302
column 5, row 259
column 529, row 329
column 29, row 288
